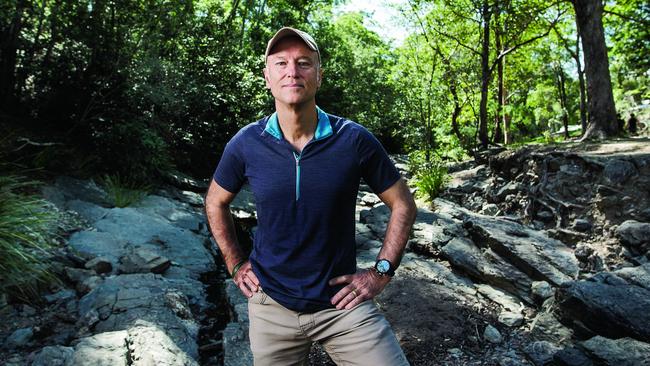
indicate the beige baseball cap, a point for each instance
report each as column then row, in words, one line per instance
column 286, row 32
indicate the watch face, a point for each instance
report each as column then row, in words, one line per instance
column 383, row 266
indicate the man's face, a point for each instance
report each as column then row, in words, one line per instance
column 292, row 72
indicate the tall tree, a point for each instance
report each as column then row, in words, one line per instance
column 602, row 113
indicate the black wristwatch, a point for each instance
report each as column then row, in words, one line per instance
column 384, row 268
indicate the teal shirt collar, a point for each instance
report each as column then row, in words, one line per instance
column 323, row 128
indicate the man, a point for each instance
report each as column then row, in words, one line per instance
column 304, row 168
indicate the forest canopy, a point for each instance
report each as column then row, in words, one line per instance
column 141, row 88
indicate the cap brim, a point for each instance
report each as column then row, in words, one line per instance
column 286, row 32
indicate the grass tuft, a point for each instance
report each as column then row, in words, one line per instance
column 431, row 179
column 25, row 237
column 123, row 192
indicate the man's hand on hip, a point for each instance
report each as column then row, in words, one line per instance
column 362, row 286
column 246, row 280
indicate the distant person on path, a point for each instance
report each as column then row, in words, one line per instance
column 632, row 124
column 304, row 167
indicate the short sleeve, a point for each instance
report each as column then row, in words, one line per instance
column 230, row 173
column 376, row 167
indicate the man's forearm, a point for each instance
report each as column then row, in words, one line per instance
column 223, row 230
column 401, row 220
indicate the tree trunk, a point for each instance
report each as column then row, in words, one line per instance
column 581, row 81
column 498, row 132
column 9, row 37
column 485, row 75
column 563, row 102
column 602, row 113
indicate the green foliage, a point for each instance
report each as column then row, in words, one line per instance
column 430, row 176
column 139, row 87
column 25, row 237
column 123, row 192
column 431, row 180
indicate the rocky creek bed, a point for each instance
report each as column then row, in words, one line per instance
column 530, row 257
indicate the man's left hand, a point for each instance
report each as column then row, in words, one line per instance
column 362, row 286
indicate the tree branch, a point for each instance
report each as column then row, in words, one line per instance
column 627, row 17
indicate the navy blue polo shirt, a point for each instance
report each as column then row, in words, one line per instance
column 305, row 203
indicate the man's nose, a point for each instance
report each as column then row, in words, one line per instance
column 292, row 69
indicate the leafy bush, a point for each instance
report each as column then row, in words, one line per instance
column 132, row 149
column 123, row 192
column 25, row 234
column 431, row 180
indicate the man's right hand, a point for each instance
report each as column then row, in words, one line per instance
column 246, row 280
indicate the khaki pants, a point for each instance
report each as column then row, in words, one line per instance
column 359, row 336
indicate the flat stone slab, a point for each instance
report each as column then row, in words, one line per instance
column 534, row 253
column 608, row 310
column 618, row 352
column 124, row 301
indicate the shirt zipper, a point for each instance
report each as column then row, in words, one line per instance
column 297, row 157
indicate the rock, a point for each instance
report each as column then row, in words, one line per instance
column 89, row 319
column 83, row 190
column 545, row 216
column 152, row 231
column 179, row 304
column 571, row 356
column 487, row 266
column 608, row 278
column 541, row 290
column 607, row 191
column 236, row 344
column 545, row 327
column 645, row 214
column 634, row 234
column 582, row 225
column 368, row 199
column 639, row 276
column 184, row 181
column 53, row 356
column 89, row 284
column 511, row 319
column 28, row 311
column 20, row 337
column 91, row 212
column 532, row 252
column 618, row 171
column 60, row 296
column 511, row 187
column 582, row 252
column 243, row 206
column 492, row 335
column 100, row 265
column 612, row 311
column 619, row 352
column 505, row 300
column 490, row 209
column 122, row 300
column 455, row 352
column 77, row 274
column 109, row 348
column 143, row 260
column 149, row 345
column 541, row 353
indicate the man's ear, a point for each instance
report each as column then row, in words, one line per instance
column 266, row 78
column 320, row 76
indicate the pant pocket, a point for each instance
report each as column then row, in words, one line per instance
column 258, row 298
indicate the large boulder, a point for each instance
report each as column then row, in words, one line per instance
column 487, row 266
column 531, row 251
column 609, row 310
column 121, row 302
column 635, row 235
column 618, row 352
